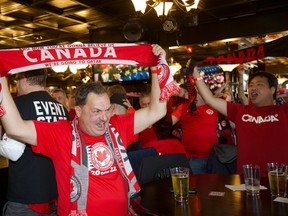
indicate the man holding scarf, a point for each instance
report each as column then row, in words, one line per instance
column 93, row 174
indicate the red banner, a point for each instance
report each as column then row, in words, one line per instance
column 13, row 61
column 276, row 48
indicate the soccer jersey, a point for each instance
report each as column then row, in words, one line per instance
column 198, row 129
column 108, row 190
column 261, row 134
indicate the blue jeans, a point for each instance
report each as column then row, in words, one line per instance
column 198, row 165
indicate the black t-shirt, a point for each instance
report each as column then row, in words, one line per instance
column 32, row 177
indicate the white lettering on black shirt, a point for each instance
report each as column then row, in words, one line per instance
column 49, row 111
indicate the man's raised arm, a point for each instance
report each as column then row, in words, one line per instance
column 12, row 122
column 217, row 103
column 157, row 109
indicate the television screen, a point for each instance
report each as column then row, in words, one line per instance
column 108, row 73
column 212, row 75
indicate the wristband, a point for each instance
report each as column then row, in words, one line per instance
column 196, row 79
column 2, row 111
column 156, row 70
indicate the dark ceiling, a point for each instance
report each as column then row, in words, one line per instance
column 47, row 22
column 42, row 22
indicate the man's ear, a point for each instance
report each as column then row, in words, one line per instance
column 78, row 110
column 273, row 90
column 113, row 108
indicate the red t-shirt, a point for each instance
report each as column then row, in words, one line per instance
column 261, row 134
column 107, row 191
column 147, row 135
column 198, row 129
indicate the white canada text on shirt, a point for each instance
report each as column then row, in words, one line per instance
column 259, row 119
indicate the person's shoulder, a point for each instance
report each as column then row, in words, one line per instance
column 208, row 110
column 121, row 120
column 234, row 109
column 35, row 95
column 19, row 99
column 40, row 92
column 60, row 127
column 205, row 107
column 238, row 105
column 277, row 108
column 284, row 106
column 121, row 117
column 57, row 124
column 29, row 98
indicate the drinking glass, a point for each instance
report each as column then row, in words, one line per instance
column 180, row 181
column 277, row 175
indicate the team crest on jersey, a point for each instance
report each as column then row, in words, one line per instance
column 76, row 189
column 101, row 156
column 209, row 111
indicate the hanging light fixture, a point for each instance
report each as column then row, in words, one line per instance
column 192, row 5
column 228, row 67
column 139, row 5
column 60, row 68
column 162, row 7
column 75, row 68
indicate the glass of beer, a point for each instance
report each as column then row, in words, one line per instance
column 180, row 181
column 277, row 175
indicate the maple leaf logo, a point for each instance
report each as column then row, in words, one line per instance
column 101, row 155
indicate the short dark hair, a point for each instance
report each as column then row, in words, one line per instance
column 117, row 88
column 143, row 94
column 272, row 80
column 59, row 90
column 118, row 98
column 34, row 77
column 86, row 88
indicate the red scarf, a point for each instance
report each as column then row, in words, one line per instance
column 14, row 61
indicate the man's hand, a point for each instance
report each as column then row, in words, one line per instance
column 158, row 50
column 242, row 68
column 191, row 64
column 167, row 84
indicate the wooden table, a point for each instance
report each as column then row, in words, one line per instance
column 158, row 199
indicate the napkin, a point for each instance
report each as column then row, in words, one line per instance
column 241, row 187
